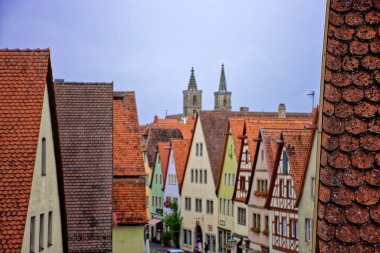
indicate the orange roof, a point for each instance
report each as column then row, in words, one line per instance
column 186, row 129
column 127, row 158
column 180, row 150
column 23, row 75
column 237, row 128
column 253, row 126
column 129, row 185
column 298, row 145
column 164, row 151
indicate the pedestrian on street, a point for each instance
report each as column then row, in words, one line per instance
column 206, row 248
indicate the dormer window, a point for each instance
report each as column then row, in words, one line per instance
column 43, row 157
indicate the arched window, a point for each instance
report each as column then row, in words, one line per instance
column 194, row 100
column 43, row 157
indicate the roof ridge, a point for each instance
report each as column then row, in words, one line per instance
column 24, row 50
column 84, row 83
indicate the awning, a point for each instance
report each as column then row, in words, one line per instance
column 153, row 222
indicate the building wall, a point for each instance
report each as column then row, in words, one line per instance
column 222, row 101
column 207, row 222
column 156, row 190
column 148, row 177
column 239, row 228
column 226, row 188
column 306, row 204
column 128, row 239
column 171, row 190
column 188, row 106
column 256, row 203
column 44, row 195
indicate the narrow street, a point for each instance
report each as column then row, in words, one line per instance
column 159, row 248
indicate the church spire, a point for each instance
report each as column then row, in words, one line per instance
column 192, row 82
column 222, row 83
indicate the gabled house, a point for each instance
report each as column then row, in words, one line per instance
column 157, row 193
column 85, row 134
column 244, row 177
column 129, row 199
column 173, row 178
column 286, row 187
column 226, row 182
column 32, row 214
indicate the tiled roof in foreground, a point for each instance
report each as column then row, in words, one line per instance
column 349, row 174
column 23, row 75
column 85, row 130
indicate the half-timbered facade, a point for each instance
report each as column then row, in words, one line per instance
column 286, row 187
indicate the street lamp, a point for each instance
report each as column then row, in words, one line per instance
column 231, row 242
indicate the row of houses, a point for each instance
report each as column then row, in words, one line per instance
column 71, row 172
column 243, row 181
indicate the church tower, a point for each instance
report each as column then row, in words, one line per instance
column 192, row 97
column 222, row 97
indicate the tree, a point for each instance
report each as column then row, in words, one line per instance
column 174, row 222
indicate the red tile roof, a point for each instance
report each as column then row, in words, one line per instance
column 23, row 75
column 129, row 196
column 127, row 154
column 85, row 132
column 164, row 151
column 349, row 192
column 181, row 150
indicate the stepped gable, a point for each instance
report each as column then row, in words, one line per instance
column 349, row 185
column 129, row 175
column 127, row 158
column 181, row 150
column 164, row 151
column 23, row 75
column 85, row 133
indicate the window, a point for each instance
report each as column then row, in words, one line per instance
column 228, row 207
column 50, row 229
column 266, row 223
column 41, row 241
column 284, row 227
column 224, row 206
column 147, row 179
column 262, row 155
column 152, row 200
column 188, row 203
column 205, row 177
column 200, row 176
column 168, row 199
column 192, row 175
column 147, row 202
column 160, row 179
column 197, row 149
column 187, row 237
column 196, row 176
column 32, row 234
column 292, row 229
column 229, row 179
column 277, row 224
column 242, row 183
column 285, row 162
column 281, row 186
column 256, row 221
column 43, row 157
column 312, row 187
column 220, row 205
column 211, row 241
column 241, row 216
column 297, row 229
column 198, row 205
column 210, row 207
column 225, row 178
column 308, row 229
column 233, row 179
column 246, row 156
column 289, row 188
column 194, row 100
column 262, row 185
column 175, row 200
column 201, row 149
column 156, row 179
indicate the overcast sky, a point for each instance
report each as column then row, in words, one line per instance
column 271, row 49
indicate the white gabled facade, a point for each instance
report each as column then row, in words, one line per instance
column 284, row 213
column 171, row 190
column 200, row 218
column 43, row 222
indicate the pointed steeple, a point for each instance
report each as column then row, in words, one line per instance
column 192, row 82
column 222, row 83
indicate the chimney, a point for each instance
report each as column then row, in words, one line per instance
column 281, row 110
column 244, row 109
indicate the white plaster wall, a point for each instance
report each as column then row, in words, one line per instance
column 306, row 205
column 256, row 204
column 171, row 190
column 207, row 222
column 44, row 194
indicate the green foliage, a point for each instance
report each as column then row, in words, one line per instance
column 174, row 222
